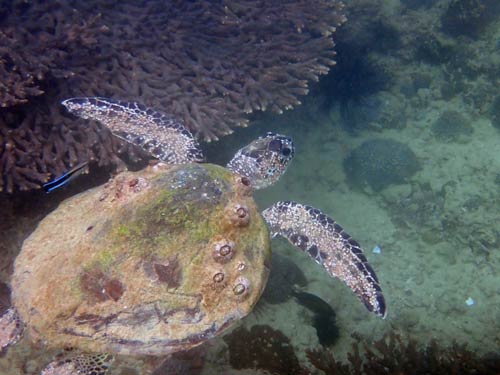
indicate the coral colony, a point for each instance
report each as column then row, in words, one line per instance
column 208, row 64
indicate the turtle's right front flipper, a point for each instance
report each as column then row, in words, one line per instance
column 328, row 244
column 11, row 328
column 158, row 133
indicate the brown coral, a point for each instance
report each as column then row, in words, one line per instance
column 42, row 143
column 39, row 40
column 394, row 354
column 209, row 63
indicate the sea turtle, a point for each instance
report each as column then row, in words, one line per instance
column 163, row 259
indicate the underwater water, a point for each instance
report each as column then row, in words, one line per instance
column 402, row 150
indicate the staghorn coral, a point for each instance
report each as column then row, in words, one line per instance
column 266, row 349
column 40, row 40
column 214, row 62
column 207, row 63
column 393, row 354
column 42, row 143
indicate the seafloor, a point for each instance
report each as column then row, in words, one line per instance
column 426, row 212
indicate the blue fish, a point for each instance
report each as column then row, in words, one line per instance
column 65, row 178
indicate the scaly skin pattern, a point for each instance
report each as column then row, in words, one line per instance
column 152, row 262
column 158, row 133
column 264, row 160
column 84, row 364
column 329, row 245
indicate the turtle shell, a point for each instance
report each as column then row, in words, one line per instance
column 152, row 262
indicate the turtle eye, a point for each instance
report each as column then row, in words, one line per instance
column 286, row 151
column 275, row 145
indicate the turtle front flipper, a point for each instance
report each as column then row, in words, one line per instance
column 158, row 133
column 326, row 242
column 11, row 328
column 83, row 364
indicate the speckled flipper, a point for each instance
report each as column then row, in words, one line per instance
column 160, row 134
column 264, row 160
column 84, row 364
column 11, row 328
column 324, row 240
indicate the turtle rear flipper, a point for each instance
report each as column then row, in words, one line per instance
column 83, row 364
column 328, row 244
column 158, row 133
column 11, row 329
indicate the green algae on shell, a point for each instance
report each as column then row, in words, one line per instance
column 151, row 263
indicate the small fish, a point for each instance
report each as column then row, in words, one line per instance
column 65, row 178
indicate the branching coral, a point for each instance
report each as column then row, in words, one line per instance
column 43, row 143
column 394, row 355
column 206, row 62
column 209, row 63
column 41, row 40
column 266, row 349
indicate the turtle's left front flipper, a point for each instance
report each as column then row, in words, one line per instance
column 326, row 242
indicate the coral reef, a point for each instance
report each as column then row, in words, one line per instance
column 468, row 17
column 434, row 48
column 394, row 355
column 452, row 126
column 207, row 63
column 262, row 348
column 39, row 142
column 380, row 163
column 269, row 350
column 43, row 40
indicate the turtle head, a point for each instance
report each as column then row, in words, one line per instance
column 264, row 160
